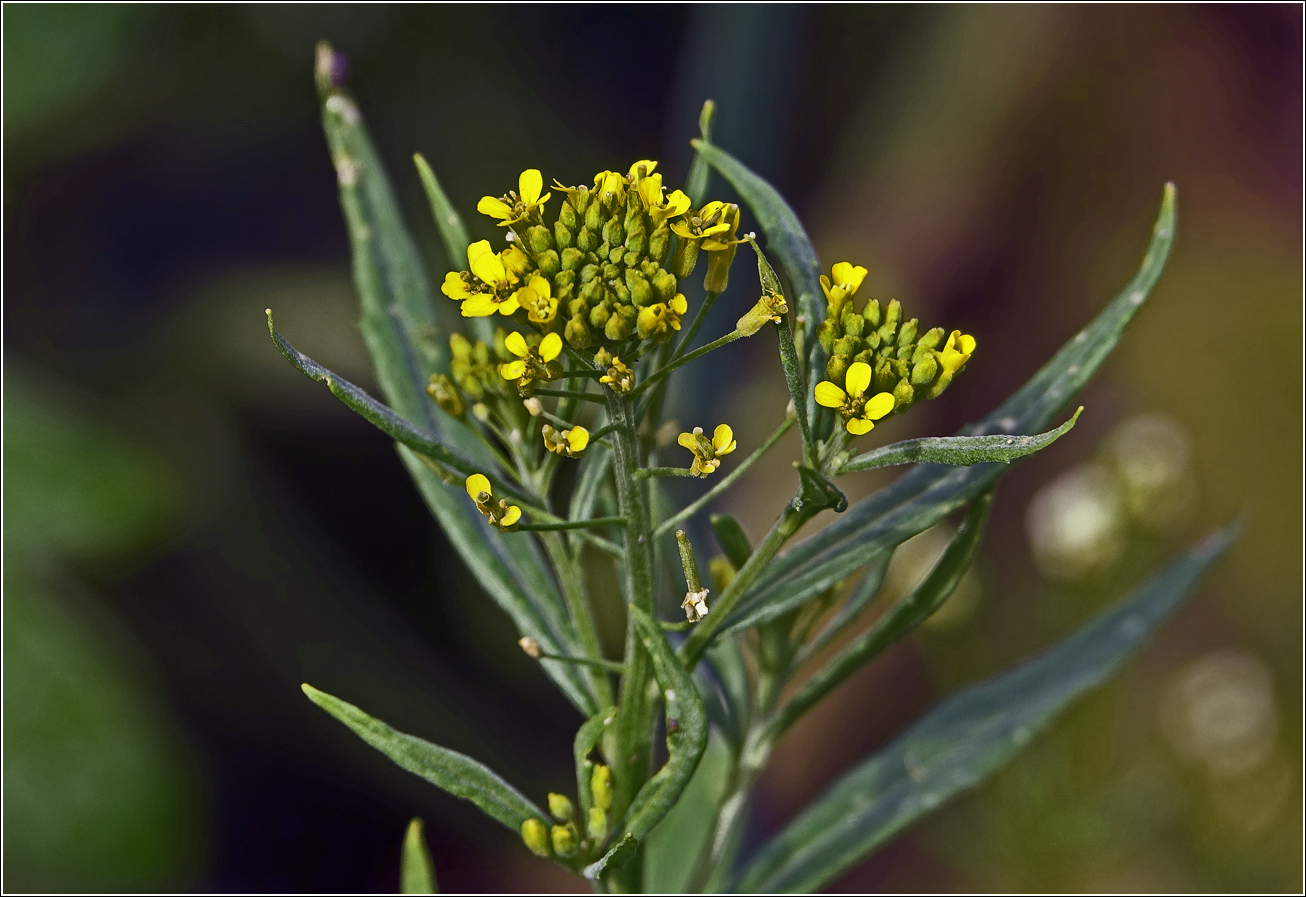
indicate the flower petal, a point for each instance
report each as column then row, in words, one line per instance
column 723, row 439
column 829, row 395
column 482, row 305
column 578, row 438
column 859, row 425
column 650, row 166
column 495, row 208
column 488, row 266
column 511, row 517
column 550, row 347
column 509, row 305
column 879, row 405
column 967, row 344
column 516, row 344
column 476, row 250
column 687, row 440
column 512, row 370
column 476, row 484
column 679, row 304
column 455, row 287
column 857, row 378
column 529, row 185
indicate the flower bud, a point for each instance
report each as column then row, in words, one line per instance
column 548, row 262
column 562, row 237
column 445, row 394
column 686, row 256
column 565, row 840
column 535, row 835
column 825, row 335
column 597, row 824
column 533, row 407
column 641, row 291
column 924, row 371
column 769, row 308
column 845, row 346
column 594, row 217
column 613, row 233
column 572, row 259
column 907, row 333
column 599, row 315
column 567, row 218
column 872, row 313
column 718, row 269
column 664, row 285
column 538, row 238
column 621, row 324
column 577, row 332
column 601, row 786
column 560, row 806
column 903, row 394
column 836, row 368
column 852, row 323
column 587, row 239
column 659, row 242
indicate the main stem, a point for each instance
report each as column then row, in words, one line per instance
column 573, row 589
column 634, row 731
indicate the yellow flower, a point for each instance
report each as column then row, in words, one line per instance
column 619, row 376
column 606, row 182
column 847, row 278
column 503, row 516
column 516, row 206
column 707, row 453
column 655, row 322
column 660, row 209
column 649, row 166
column 956, row 351
column 571, row 443
column 769, row 308
column 703, row 223
column 538, row 300
column 858, row 411
column 532, row 362
column 498, row 294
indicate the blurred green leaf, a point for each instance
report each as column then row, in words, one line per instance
column 448, row 770
column 927, row 493
column 958, row 451
column 403, row 328
column 416, row 871
column 453, row 236
column 614, row 859
column 966, row 737
column 683, row 832
column 587, row 738
column 851, row 609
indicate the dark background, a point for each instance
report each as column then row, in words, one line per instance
column 192, row 528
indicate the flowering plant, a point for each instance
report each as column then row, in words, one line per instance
column 559, row 355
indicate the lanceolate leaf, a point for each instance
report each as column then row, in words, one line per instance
column 448, row 770
column 453, row 237
column 965, row 738
column 406, row 332
column 928, row 492
column 958, row 451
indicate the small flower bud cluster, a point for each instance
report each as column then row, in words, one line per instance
column 904, row 362
column 564, row 838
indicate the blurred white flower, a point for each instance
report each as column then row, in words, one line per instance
column 1152, row 456
column 1219, row 711
column 1076, row 523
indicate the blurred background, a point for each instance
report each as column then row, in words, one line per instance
column 192, row 528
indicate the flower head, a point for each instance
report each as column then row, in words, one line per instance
column 532, row 362
column 503, row 516
column 538, row 300
column 516, row 206
column 571, row 443
column 489, row 287
column 656, row 322
column 707, row 453
column 858, row 411
column 847, row 278
column 619, row 377
column 956, row 351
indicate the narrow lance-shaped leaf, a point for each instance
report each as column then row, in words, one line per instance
column 790, row 363
column 587, row 738
column 453, row 236
column 448, row 770
column 862, row 595
column 416, row 871
column 966, row 737
column 958, row 451
column 699, row 172
column 927, row 493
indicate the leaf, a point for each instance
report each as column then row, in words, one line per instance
column 402, row 326
column 416, row 871
column 587, row 738
column 699, row 172
column 927, row 493
column 448, row 770
column 731, row 537
column 912, row 610
column 851, row 609
column 966, row 737
column 958, row 451
column 686, row 731
column 453, row 236
column 790, row 363
column 613, row 860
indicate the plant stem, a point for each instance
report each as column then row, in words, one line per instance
column 578, row 605
column 646, row 472
column 726, row 482
column 684, row 359
column 572, row 524
column 570, row 394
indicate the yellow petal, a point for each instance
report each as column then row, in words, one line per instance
column 649, row 167
column 541, row 287
column 516, row 344
column 476, row 484
column 578, row 438
column 479, row 306
column 825, row 286
column 529, row 185
column 512, row 370
column 967, row 344
column 687, row 440
column 495, row 208
column 677, row 203
column 682, row 229
column 455, row 287
column 488, row 266
column 857, row 426
column 679, row 304
column 550, row 347
column 710, row 209
column 723, row 440
column 857, row 378
column 848, row 275
column 509, row 305
column 476, row 250
column 511, row 517
column 879, row 405
column 829, row 395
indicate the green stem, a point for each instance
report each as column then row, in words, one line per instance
column 726, row 482
column 609, row 665
column 578, row 605
column 572, row 524
column 570, row 394
column 685, row 359
column 646, row 472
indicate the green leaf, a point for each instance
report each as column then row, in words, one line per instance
column 966, row 737
column 416, row 871
column 912, row 610
column 958, row 451
column 404, row 330
column 453, row 236
column 927, row 493
column 686, row 731
column 613, row 860
column 699, row 172
column 448, row 770
column 731, row 537
column 587, row 738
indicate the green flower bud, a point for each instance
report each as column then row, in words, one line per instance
column 538, row 238
column 846, row 346
column 567, row 218
column 659, row 242
column 597, row 824
column 664, row 285
column 825, row 335
column 889, row 329
column 445, row 394
column 577, row 307
column 571, row 259
column 925, row 370
column 563, row 236
column 566, row 841
column 621, row 324
column 907, row 333
column 836, row 368
column 604, row 248
column 932, row 339
column 686, row 257
column 641, row 291
column 589, row 271
column 535, row 835
column 577, row 332
column 587, row 239
column 621, row 291
column 548, row 262
column 852, row 322
column 594, row 217
column 903, row 394
column 636, row 241
column 599, row 315
column 560, row 806
column 613, row 232
column 616, row 254
column 601, row 786
column 580, row 199
column 592, row 292
column 872, row 313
